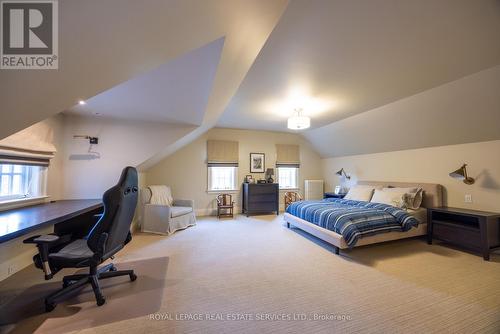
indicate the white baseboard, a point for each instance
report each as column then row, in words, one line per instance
column 213, row 212
column 201, row 212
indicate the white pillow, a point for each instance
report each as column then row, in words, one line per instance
column 394, row 198
column 360, row 193
column 414, row 196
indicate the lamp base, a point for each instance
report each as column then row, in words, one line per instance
column 270, row 180
column 469, row 180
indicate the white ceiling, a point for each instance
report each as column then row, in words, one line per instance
column 248, row 64
column 339, row 58
column 463, row 111
column 175, row 92
column 105, row 43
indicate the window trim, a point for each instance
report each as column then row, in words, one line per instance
column 218, row 191
column 40, row 184
column 22, row 202
column 297, row 180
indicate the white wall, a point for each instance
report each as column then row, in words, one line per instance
column 185, row 171
column 430, row 165
column 14, row 255
column 73, row 174
column 121, row 143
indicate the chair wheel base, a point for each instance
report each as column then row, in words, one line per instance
column 101, row 301
column 49, row 307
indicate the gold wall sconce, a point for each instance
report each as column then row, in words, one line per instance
column 461, row 174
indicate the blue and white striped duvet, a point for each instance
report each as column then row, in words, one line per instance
column 353, row 219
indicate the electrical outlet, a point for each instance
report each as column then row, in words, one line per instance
column 468, row 198
column 10, row 270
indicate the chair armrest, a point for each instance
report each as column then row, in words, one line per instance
column 44, row 243
column 48, row 239
column 184, row 202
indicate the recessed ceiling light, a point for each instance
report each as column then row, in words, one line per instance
column 81, row 102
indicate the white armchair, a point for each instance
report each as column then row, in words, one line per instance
column 164, row 219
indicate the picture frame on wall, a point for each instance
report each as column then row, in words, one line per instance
column 257, row 162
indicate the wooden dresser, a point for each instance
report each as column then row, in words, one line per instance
column 260, row 198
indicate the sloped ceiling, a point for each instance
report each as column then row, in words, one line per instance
column 463, row 111
column 105, row 43
column 176, row 92
column 336, row 59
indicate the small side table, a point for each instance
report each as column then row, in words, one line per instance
column 478, row 231
column 333, row 195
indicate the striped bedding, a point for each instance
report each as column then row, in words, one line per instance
column 353, row 219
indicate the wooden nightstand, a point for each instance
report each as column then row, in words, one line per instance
column 478, row 231
column 333, row 195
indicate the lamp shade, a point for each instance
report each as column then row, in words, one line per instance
column 342, row 172
column 461, row 174
column 270, row 171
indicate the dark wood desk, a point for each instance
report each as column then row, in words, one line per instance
column 17, row 222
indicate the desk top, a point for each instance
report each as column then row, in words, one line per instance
column 20, row 221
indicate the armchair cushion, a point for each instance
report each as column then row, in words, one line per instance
column 177, row 211
column 183, row 202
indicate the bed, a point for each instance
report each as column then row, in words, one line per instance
column 384, row 231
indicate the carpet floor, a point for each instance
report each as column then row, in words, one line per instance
column 253, row 275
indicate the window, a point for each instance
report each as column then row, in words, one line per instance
column 222, row 178
column 20, row 181
column 288, row 177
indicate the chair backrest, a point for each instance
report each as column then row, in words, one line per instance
column 120, row 203
column 290, row 197
column 224, row 199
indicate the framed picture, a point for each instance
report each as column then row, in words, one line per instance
column 257, row 162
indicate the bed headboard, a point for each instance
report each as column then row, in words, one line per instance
column 433, row 193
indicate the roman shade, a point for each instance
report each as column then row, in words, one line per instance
column 222, row 153
column 287, row 155
column 32, row 146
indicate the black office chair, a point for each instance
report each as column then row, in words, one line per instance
column 108, row 236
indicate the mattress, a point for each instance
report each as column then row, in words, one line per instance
column 353, row 219
column 338, row 241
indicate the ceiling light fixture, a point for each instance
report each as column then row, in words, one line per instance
column 81, row 102
column 298, row 121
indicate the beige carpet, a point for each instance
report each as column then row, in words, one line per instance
column 275, row 280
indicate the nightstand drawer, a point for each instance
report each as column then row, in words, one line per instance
column 461, row 236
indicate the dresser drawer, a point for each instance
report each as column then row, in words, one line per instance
column 262, row 189
column 257, row 198
column 261, row 206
